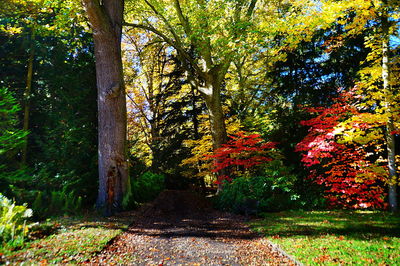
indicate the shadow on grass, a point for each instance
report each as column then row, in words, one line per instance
column 355, row 225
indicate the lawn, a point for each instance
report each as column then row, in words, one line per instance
column 335, row 237
column 68, row 240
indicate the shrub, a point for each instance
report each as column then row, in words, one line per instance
column 55, row 203
column 40, row 210
column 273, row 191
column 13, row 225
column 147, row 187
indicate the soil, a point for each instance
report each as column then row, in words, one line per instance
column 181, row 228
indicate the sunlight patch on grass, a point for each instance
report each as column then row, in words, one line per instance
column 74, row 246
column 335, row 237
column 76, row 240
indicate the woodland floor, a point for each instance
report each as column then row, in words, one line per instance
column 179, row 228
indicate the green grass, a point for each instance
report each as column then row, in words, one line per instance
column 73, row 240
column 335, row 237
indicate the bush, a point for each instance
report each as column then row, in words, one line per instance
column 273, row 191
column 56, row 203
column 147, row 187
column 13, row 225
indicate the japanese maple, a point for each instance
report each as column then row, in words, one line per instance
column 242, row 152
column 341, row 160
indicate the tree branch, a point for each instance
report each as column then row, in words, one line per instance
column 177, row 47
column 138, row 108
column 171, row 29
column 184, row 21
column 250, row 10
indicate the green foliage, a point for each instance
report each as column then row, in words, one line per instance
column 313, row 64
column 47, row 204
column 274, row 190
column 11, row 139
column 38, row 205
column 13, row 218
column 268, row 62
column 62, row 142
column 147, row 187
column 10, row 136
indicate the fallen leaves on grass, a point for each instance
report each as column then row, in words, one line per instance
column 336, row 237
column 75, row 241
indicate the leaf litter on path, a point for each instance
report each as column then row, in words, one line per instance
column 188, row 235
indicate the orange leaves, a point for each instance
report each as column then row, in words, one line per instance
column 333, row 43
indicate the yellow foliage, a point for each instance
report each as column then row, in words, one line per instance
column 203, row 147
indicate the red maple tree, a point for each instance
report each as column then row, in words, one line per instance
column 243, row 152
column 351, row 178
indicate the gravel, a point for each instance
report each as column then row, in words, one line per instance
column 198, row 236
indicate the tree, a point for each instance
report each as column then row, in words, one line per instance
column 106, row 19
column 27, row 94
column 376, row 82
column 62, row 124
column 199, row 49
column 377, row 21
column 206, row 54
column 243, row 152
column 27, row 12
column 341, row 149
column 388, row 93
column 201, row 148
column 11, row 138
column 161, row 104
column 208, row 37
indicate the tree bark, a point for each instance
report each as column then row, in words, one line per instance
column 217, row 119
column 390, row 138
column 106, row 19
column 27, row 95
column 211, row 94
column 218, row 128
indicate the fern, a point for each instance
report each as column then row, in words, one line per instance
column 13, row 222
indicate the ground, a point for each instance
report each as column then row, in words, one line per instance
column 180, row 229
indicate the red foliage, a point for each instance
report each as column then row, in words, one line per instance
column 395, row 132
column 241, row 152
column 344, row 169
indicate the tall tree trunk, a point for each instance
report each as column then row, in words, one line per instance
column 211, row 94
column 390, row 138
column 106, row 19
column 216, row 117
column 27, row 95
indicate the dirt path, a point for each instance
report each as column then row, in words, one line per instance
column 197, row 239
